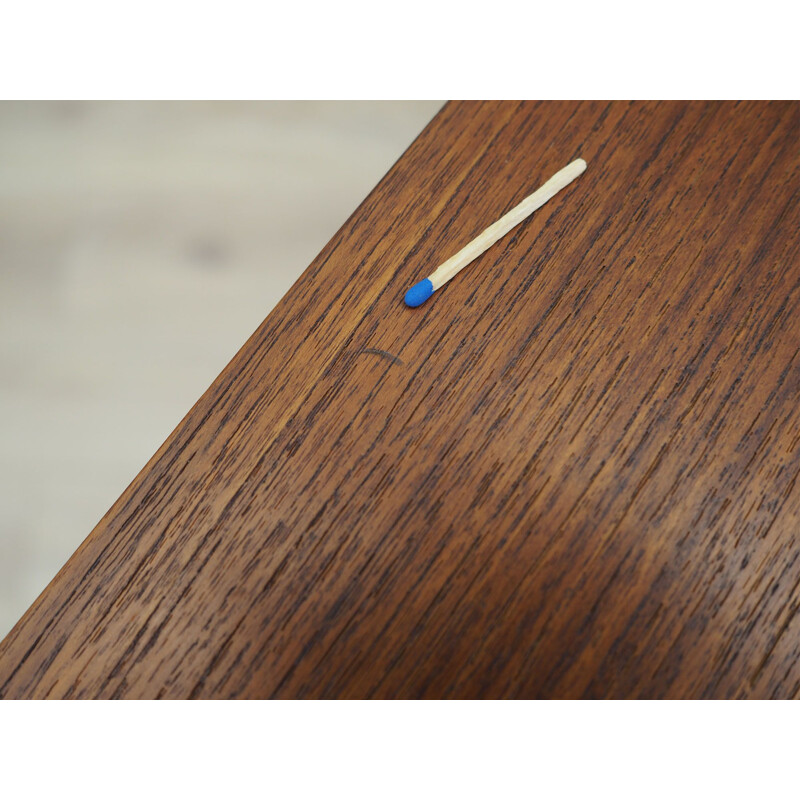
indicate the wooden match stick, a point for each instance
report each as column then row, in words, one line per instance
column 421, row 291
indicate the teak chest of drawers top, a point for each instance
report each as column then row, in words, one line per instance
column 571, row 473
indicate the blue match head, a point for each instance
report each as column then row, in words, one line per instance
column 419, row 293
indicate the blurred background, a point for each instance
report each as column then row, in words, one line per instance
column 140, row 245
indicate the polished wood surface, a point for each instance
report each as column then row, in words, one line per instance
column 571, row 473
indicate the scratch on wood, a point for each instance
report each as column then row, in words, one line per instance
column 383, row 353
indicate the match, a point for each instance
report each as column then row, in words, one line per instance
column 421, row 291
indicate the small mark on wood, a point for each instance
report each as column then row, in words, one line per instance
column 384, row 354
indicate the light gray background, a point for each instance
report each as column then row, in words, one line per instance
column 140, row 245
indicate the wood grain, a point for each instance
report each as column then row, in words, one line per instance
column 571, row 473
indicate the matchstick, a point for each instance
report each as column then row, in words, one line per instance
column 421, row 291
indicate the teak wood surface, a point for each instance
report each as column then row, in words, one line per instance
column 572, row 473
